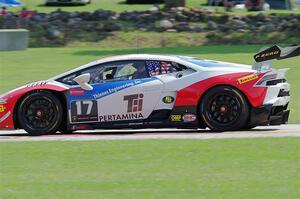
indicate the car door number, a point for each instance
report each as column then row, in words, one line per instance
column 84, row 111
column 79, row 105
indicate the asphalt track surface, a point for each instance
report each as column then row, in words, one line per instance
column 258, row 132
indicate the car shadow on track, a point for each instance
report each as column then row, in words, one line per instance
column 184, row 131
column 136, row 132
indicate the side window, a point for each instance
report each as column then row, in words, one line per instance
column 114, row 71
column 153, row 67
column 68, row 79
column 94, row 71
column 178, row 67
column 126, row 72
column 135, row 69
column 108, row 74
column 163, row 67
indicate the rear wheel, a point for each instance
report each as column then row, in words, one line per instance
column 224, row 108
column 40, row 113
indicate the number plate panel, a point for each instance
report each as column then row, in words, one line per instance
column 84, row 111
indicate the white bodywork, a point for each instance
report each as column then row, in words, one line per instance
column 110, row 106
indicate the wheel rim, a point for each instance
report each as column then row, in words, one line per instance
column 40, row 113
column 224, row 109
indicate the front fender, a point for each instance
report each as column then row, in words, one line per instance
column 9, row 100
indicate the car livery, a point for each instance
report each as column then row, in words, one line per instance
column 153, row 91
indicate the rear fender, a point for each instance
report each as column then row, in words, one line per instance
column 191, row 95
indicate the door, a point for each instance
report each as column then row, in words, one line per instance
column 122, row 91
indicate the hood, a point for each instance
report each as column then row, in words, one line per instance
column 39, row 85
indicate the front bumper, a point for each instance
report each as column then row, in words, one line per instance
column 6, row 114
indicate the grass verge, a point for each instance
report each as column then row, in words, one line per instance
column 238, row 168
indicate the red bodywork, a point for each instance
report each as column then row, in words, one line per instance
column 191, row 95
column 12, row 98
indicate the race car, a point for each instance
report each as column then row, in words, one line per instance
column 154, row 91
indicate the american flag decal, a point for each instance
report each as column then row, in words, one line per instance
column 153, row 67
column 165, row 67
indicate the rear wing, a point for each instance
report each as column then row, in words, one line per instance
column 263, row 59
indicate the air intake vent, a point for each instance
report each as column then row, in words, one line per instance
column 275, row 81
column 283, row 93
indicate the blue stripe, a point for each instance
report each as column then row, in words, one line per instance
column 108, row 88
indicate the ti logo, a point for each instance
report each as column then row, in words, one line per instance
column 135, row 102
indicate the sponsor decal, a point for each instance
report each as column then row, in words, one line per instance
column 134, row 107
column 176, row 118
column 189, row 118
column 135, row 102
column 2, row 108
column 76, row 91
column 36, row 84
column 168, row 99
column 82, row 127
column 111, row 88
column 153, row 67
column 119, row 117
column 247, row 78
column 267, row 54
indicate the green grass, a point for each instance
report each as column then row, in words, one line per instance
column 18, row 68
column 120, row 6
column 238, row 168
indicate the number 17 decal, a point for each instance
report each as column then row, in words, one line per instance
column 84, row 111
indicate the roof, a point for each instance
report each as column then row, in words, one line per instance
column 140, row 57
column 184, row 60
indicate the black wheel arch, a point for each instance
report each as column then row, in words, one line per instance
column 219, row 85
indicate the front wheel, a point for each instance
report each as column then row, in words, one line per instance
column 224, row 108
column 40, row 113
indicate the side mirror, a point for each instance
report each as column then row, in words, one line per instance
column 83, row 81
column 179, row 75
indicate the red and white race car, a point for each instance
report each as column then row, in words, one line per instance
column 153, row 91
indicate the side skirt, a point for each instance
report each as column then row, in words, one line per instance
column 179, row 117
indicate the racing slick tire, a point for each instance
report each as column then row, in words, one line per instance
column 224, row 108
column 40, row 113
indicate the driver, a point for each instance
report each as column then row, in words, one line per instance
column 140, row 72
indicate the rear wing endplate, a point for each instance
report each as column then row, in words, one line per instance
column 277, row 52
column 263, row 59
